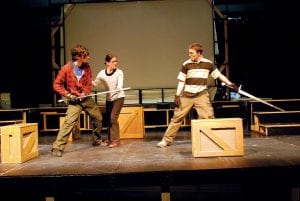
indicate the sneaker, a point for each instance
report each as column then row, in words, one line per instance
column 104, row 143
column 98, row 142
column 114, row 144
column 162, row 144
column 56, row 153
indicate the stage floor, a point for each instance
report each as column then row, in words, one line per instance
column 138, row 163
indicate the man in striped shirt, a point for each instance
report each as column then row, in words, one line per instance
column 192, row 91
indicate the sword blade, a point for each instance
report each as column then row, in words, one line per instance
column 260, row 100
column 99, row 93
column 111, row 91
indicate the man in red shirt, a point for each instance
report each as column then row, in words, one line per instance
column 74, row 82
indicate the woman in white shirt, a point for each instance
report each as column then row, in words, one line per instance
column 112, row 78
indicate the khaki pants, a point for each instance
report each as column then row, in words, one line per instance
column 72, row 115
column 202, row 105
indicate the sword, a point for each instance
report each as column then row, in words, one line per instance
column 99, row 93
column 240, row 91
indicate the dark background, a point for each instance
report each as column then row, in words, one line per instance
column 263, row 40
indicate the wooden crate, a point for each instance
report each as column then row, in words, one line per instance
column 131, row 121
column 217, row 137
column 19, row 142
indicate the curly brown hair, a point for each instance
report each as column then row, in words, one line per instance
column 78, row 51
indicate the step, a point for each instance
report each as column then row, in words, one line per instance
column 286, row 104
column 277, row 112
column 277, row 125
column 6, row 122
column 279, row 128
column 274, row 117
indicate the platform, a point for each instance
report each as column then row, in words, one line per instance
column 138, row 170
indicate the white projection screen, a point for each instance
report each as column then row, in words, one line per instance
column 150, row 38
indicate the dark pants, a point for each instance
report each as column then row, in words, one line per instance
column 113, row 109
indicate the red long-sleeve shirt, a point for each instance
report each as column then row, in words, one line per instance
column 66, row 81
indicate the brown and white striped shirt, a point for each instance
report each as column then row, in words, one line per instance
column 195, row 76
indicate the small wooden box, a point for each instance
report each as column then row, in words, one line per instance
column 131, row 121
column 19, row 142
column 217, row 137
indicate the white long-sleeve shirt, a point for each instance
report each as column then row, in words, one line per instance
column 111, row 81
